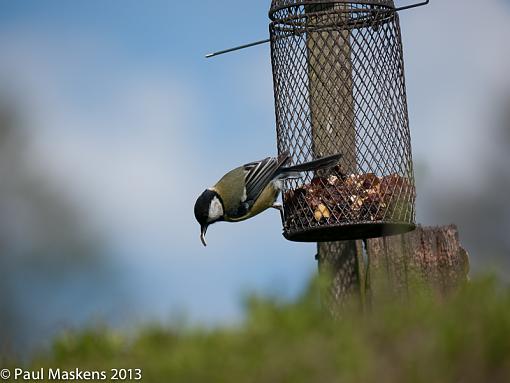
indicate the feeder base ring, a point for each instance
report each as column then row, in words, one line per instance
column 348, row 232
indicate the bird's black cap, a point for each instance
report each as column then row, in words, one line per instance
column 202, row 206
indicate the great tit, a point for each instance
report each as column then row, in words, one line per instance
column 250, row 189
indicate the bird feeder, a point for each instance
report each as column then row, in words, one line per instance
column 339, row 87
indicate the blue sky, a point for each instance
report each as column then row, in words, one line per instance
column 126, row 117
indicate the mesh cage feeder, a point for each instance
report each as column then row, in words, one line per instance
column 339, row 87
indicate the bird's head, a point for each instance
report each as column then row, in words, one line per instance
column 208, row 209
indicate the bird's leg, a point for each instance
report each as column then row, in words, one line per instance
column 278, row 206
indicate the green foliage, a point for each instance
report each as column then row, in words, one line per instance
column 465, row 338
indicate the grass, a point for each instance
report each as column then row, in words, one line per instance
column 465, row 338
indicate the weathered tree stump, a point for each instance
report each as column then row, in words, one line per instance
column 429, row 258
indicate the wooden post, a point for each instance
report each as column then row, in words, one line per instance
column 430, row 258
column 333, row 131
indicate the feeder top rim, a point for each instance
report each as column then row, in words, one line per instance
column 277, row 5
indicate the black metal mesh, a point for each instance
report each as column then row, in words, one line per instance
column 339, row 88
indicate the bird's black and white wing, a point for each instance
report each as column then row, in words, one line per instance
column 259, row 174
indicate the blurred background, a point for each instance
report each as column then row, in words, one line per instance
column 112, row 122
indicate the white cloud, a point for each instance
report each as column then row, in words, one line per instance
column 114, row 137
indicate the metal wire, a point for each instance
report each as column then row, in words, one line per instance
column 339, row 88
column 209, row 55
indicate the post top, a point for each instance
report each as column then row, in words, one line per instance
column 286, row 3
column 277, row 5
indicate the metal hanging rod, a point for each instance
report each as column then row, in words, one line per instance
column 237, row 48
column 209, row 55
column 403, row 8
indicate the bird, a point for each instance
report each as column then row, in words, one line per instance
column 248, row 190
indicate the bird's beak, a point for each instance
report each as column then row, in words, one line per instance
column 203, row 230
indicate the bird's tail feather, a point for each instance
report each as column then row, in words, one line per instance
column 321, row 163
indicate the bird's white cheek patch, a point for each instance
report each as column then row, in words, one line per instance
column 215, row 209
